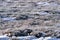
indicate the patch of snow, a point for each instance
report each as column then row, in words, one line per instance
column 46, row 38
column 43, row 3
column 46, row 3
column 41, row 38
column 44, row 13
column 57, row 24
column 8, row 19
column 53, row 39
column 7, row 0
column 26, row 37
column 53, row 4
column 4, row 37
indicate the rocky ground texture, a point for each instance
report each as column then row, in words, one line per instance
column 40, row 16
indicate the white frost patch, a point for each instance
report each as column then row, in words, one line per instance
column 4, row 37
column 26, row 37
column 43, row 3
column 44, row 13
column 57, row 24
column 8, row 19
column 46, row 3
column 8, row 0
column 54, row 4
column 46, row 38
